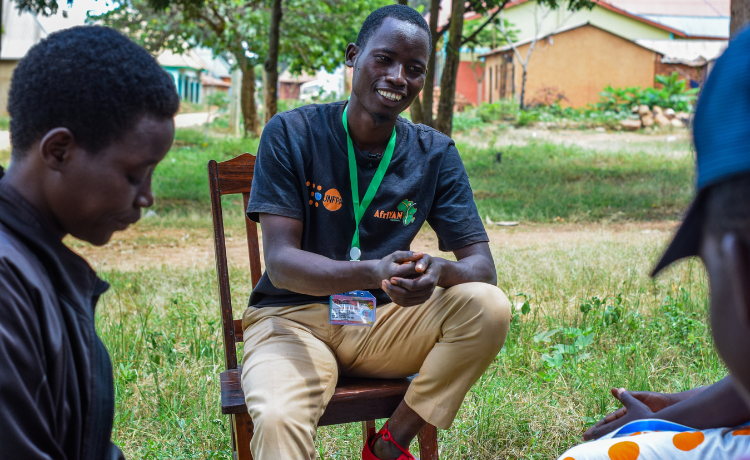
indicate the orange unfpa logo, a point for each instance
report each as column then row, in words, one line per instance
column 332, row 200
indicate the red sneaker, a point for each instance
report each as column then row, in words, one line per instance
column 372, row 437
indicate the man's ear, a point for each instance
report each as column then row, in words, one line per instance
column 352, row 51
column 56, row 147
column 737, row 255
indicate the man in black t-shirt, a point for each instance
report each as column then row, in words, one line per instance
column 341, row 190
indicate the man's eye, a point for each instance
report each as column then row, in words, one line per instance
column 418, row 70
column 134, row 180
column 382, row 58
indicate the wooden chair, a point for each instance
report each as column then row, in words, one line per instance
column 355, row 400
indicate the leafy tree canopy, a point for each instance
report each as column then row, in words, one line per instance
column 314, row 33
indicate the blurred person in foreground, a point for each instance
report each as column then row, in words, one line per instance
column 445, row 319
column 91, row 115
column 708, row 422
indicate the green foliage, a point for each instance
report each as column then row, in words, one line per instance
column 490, row 36
column 526, row 117
column 507, row 111
column 5, row 123
column 314, row 33
column 466, row 121
column 218, row 99
column 502, row 110
column 674, row 94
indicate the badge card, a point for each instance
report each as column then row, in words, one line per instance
column 355, row 308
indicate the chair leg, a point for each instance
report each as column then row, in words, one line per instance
column 428, row 443
column 242, row 426
column 366, row 427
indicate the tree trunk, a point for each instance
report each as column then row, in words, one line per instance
column 247, row 95
column 272, row 63
column 444, row 121
column 522, row 102
column 429, row 84
column 740, row 16
column 415, row 110
column 403, row 2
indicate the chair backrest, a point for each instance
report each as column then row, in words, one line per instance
column 232, row 177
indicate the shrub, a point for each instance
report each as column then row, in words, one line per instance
column 502, row 110
column 464, row 121
column 673, row 94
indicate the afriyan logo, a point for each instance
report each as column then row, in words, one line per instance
column 331, row 200
column 405, row 213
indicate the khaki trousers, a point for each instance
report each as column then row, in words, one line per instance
column 293, row 358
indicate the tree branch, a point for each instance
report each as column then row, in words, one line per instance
column 217, row 28
column 491, row 18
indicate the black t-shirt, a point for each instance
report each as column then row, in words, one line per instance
column 302, row 172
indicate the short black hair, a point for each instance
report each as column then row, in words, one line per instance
column 396, row 11
column 92, row 80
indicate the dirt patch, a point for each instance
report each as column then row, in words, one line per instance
column 135, row 250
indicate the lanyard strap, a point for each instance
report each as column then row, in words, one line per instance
column 360, row 208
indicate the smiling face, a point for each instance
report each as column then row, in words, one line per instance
column 96, row 194
column 389, row 72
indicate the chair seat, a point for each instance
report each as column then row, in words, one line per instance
column 355, row 399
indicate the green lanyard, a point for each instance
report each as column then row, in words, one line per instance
column 360, row 208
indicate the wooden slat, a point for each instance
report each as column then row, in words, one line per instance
column 234, row 174
column 253, row 247
column 242, row 426
column 238, row 330
column 368, row 427
column 428, row 443
column 222, row 269
column 354, row 399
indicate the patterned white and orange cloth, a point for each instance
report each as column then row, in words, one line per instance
column 659, row 440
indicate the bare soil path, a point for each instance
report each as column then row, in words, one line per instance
column 136, row 249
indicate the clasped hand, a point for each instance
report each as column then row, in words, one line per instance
column 409, row 278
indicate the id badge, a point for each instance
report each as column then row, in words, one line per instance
column 354, row 308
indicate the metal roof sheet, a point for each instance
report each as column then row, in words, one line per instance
column 706, row 8
column 688, row 52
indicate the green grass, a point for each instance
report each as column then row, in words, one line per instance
column 544, row 182
column 537, row 182
column 551, row 380
column 181, row 181
column 163, row 331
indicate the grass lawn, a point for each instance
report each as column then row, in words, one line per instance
column 548, row 383
column 594, row 318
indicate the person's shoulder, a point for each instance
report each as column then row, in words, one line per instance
column 307, row 115
column 429, row 139
column 19, row 266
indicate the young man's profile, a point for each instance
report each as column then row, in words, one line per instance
column 91, row 117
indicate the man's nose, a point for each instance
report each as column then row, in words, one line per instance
column 145, row 198
column 397, row 75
